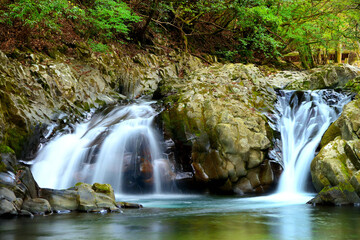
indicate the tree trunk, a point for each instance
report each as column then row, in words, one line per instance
column 338, row 53
column 306, row 57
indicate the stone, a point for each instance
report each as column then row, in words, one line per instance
column 28, row 180
column 128, row 205
column 37, row 206
column 60, row 200
column 85, row 197
column 339, row 195
column 7, row 194
column 328, row 76
column 105, row 189
column 213, row 111
column 329, row 167
column 7, row 208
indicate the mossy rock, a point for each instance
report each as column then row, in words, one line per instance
column 6, row 149
column 342, row 194
column 331, row 133
column 103, row 188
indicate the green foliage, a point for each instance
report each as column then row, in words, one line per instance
column 98, row 47
column 44, row 13
column 110, row 17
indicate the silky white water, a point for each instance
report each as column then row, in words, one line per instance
column 302, row 118
column 120, row 147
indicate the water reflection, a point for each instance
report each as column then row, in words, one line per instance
column 195, row 218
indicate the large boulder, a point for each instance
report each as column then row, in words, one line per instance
column 337, row 165
column 214, row 117
column 83, row 197
column 37, row 206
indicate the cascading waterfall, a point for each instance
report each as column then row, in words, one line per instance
column 302, row 117
column 120, row 148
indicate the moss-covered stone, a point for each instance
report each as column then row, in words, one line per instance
column 6, row 149
column 331, row 133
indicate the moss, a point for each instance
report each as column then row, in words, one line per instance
column 2, row 167
column 16, row 139
column 346, row 187
column 79, row 184
column 331, row 133
column 6, row 149
column 102, row 188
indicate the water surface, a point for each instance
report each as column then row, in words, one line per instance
column 196, row 217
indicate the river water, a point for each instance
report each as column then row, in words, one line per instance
column 196, row 217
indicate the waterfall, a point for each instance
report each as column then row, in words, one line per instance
column 118, row 146
column 301, row 118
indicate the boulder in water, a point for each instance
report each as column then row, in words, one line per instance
column 338, row 162
column 37, row 206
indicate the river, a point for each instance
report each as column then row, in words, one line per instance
column 195, row 217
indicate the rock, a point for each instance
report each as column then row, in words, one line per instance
column 18, row 203
column 7, row 208
column 214, row 114
column 89, row 200
column 347, row 126
column 60, row 200
column 128, row 205
column 328, row 76
column 25, row 213
column 85, row 197
column 7, row 194
column 28, row 180
column 105, row 189
column 339, row 195
column 37, row 206
column 335, row 173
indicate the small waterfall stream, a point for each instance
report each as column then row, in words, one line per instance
column 118, row 146
column 301, row 118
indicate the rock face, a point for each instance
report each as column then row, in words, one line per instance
column 214, row 118
column 329, row 76
column 335, row 170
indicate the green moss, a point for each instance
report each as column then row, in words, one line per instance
column 15, row 139
column 346, row 187
column 79, row 184
column 331, row 133
column 6, row 149
column 2, row 167
column 102, row 188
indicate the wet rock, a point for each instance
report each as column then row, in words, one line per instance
column 25, row 213
column 128, row 205
column 28, row 180
column 342, row 194
column 37, row 206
